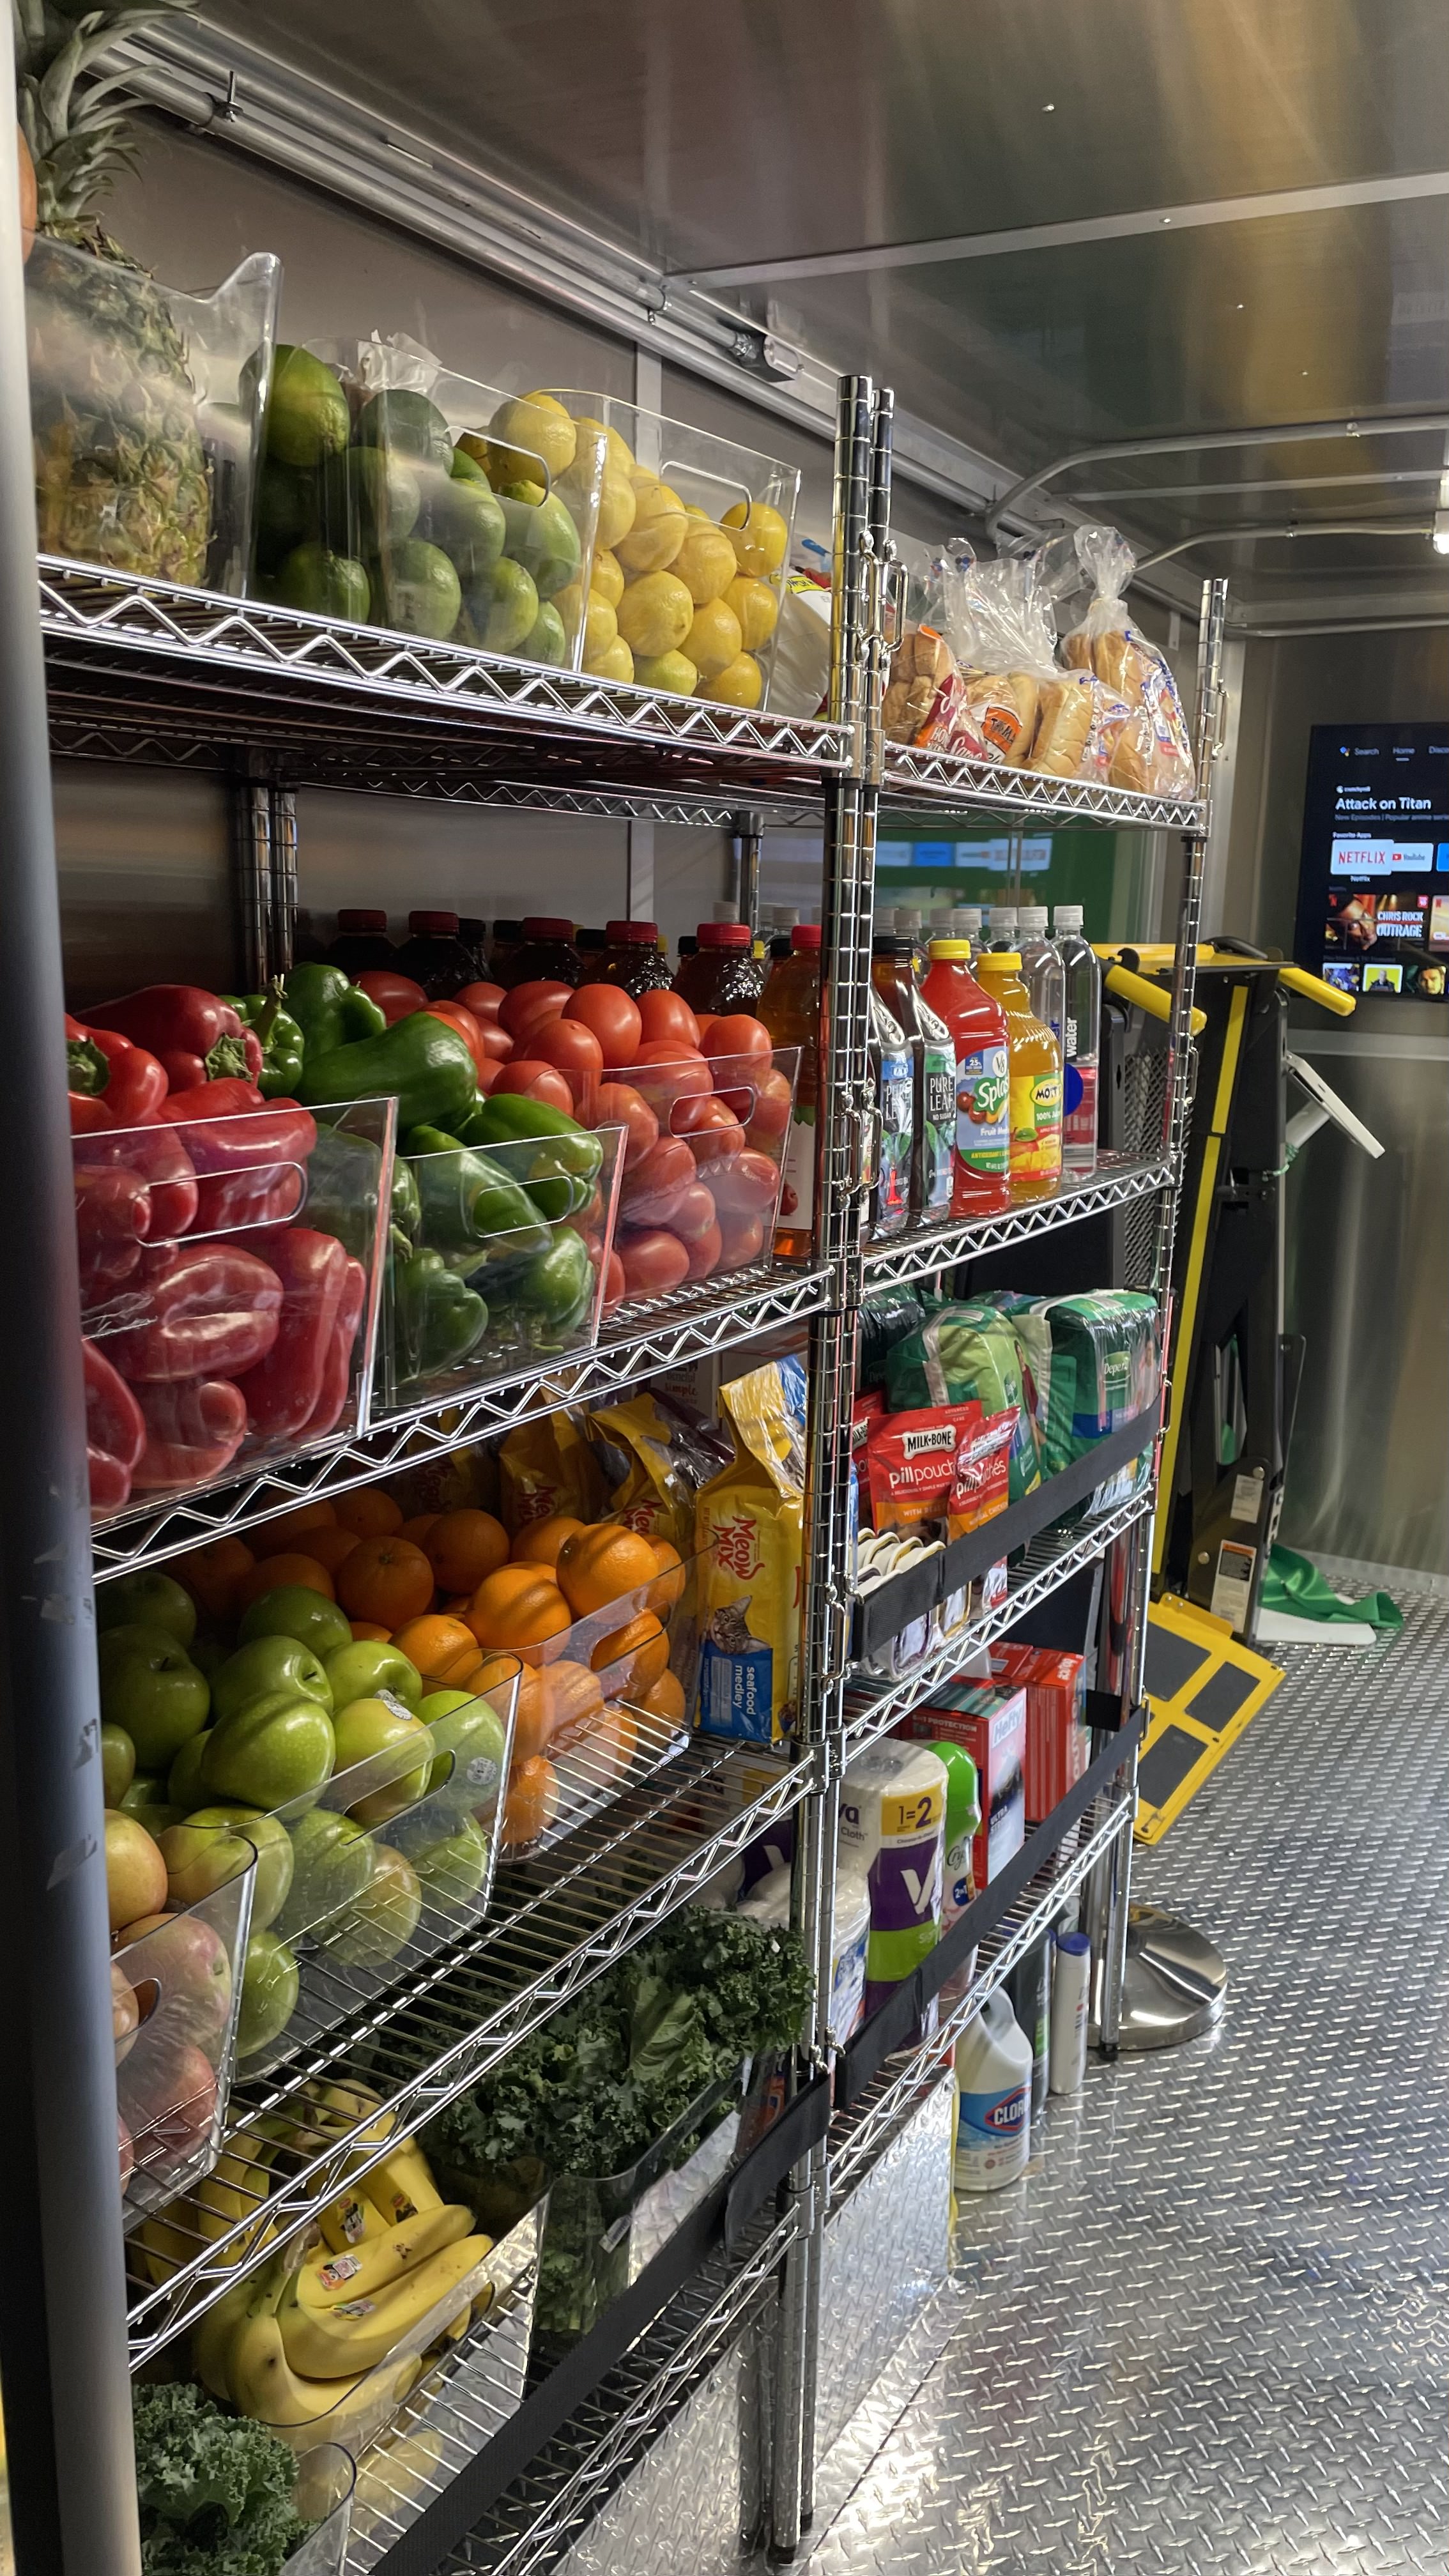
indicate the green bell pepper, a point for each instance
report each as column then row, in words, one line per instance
column 555, row 1190
column 437, row 1318
column 558, row 1285
column 507, row 1118
column 280, row 1037
column 343, row 1174
column 407, row 1210
column 424, row 1062
column 330, row 1008
column 469, row 1203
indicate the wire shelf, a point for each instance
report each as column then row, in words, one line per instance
column 1046, row 1564
column 858, row 2137
column 915, row 778
column 1118, row 1179
column 664, row 1333
column 558, row 1921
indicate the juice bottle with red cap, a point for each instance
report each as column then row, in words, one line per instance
column 546, row 953
column 434, row 955
column 722, row 975
column 983, row 1089
column 631, row 958
column 790, row 1009
column 362, row 946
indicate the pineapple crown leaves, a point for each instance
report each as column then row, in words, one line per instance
column 77, row 135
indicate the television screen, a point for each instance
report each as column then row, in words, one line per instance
column 1373, row 890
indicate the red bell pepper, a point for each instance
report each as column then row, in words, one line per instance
column 211, row 1310
column 198, row 1037
column 135, row 1084
column 113, row 1219
column 86, row 1068
column 229, row 1200
column 115, row 1432
column 192, row 1433
column 157, row 1153
column 284, row 1389
column 228, row 1127
column 89, row 1116
column 337, row 1366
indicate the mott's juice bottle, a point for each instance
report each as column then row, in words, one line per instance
column 790, row 1009
column 978, row 1030
column 1036, row 1081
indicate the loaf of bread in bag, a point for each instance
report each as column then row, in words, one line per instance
column 1063, row 726
column 921, row 662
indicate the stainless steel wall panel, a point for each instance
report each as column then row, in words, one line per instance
column 692, row 2505
column 886, row 2255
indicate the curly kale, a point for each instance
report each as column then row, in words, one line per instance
column 215, row 2492
column 753, row 1984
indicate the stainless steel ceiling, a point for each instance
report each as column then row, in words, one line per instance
column 749, row 131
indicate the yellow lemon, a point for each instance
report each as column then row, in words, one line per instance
column 760, row 536
column 713, row 638
column 607, row 577
column 740, row 684
column 616, row 662
column 705, row 562
column 659, row 524
column 621, row 454
column 541, row 431
column 672, row 671
column 601, row 627
column 655, row 614
column 618, row 508
column 756, row 607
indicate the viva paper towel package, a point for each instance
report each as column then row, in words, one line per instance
column 893, row 1825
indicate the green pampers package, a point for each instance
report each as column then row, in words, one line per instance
column 1092, row 1364
column 962, row 1355
column 885, row 1319
column 748, row 1524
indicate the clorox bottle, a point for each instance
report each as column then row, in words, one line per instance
column 993, row 2099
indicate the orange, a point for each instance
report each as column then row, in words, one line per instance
column 385, row 1579
column 663, row 1596
column 370, row 1512
column 531, row 1803
column 533, row 1720
column 364, row 1629
column 417, row 1528
column 291, row 1529
column 575, row 1697
column 329, row 1546
column 665, row 1699
column 602, row 1749
column 540, row 1542
column 634, row 1656
column 518, row 1606
column 274, row 1571
column 434, row 1643
column 600, row 1564
column 213, row 1575
column 463, row 1547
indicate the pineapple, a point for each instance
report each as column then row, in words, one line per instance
column 121, row 476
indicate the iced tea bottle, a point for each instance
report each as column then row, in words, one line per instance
column 633, row 958
column 983, row 1094
column 790, row 1009
column 721, row 977
column 1036, row 1081
column 362, row 945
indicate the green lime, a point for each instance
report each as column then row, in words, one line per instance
column 313, row 578
column 419, row 591
column 502, row 608
column 544, row 539
column 407, row 424
column 375, row 496
column 307, row 414
column 286, row 511
column 464, row 519
column 546, row 640
column 466, row 467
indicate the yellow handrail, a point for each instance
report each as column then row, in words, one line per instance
column 1152, row 998
column 1313, row 989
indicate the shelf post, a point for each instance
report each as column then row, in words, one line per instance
column 63, row 2367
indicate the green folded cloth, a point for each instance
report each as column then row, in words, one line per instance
column 1292, row 1584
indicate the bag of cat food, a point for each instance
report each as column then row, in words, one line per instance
column 749, row 1523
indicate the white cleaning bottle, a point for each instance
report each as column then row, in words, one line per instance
column 993, row 2099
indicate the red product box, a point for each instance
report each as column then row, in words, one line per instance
column 991, row 1725
column 1058, row 1748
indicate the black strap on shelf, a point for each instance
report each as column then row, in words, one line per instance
column 721, row 2217
column 899, row 2017
column 914, row 1592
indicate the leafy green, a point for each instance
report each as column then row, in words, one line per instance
column 215, row 2491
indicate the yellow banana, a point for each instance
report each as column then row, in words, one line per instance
column 211, row 2338
column 402, row 2186
column 358, row 2334
column 351, row 2220
column 260, row 2378
column 327, row 2280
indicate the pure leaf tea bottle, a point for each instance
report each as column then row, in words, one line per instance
column 893, row 1071
column 933, row 1149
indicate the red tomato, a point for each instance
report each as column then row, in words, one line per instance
column 574, row 1049
column 706, row 1021
column 694, row 1214
column 654, row 1262
column 536, row 1081
column 658, row 1182
column 484, row 1000
column 668, row 1015
column 711, row 1127
column 613, row 1281
column 497, row 1044
column 396, row 996
column 614, row 1018
column 745, row 1184
column 666, row 1070
column 488, row 1078
column 454, row 1016
column 704, row 1253
column 738, row 1034
column 771, row 1113
column 618, row 1104
column 540, row 1000
column 742, row 1239
column 588, row 1222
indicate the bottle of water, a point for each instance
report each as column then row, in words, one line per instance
column 1001, row 926
column 1041, row 968
column 966, row 923
column 910, row 924
column 1082, row 973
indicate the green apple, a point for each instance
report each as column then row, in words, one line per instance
column 147, row 1801
column 118, row 1763
column 294, row 1611
column 268, row 1995
column 385, row 1916
column 268, row 1837
column 184, row 1786
column 332, row 1863
column 469, row 1739
column 279, row 1749
column 452, row 1871
column 266, row 1665
column 380, row 1733
column 150, row 1686
column 201, row 1858
column 208, row 1654
column 147, row 1599
column 367, row 1665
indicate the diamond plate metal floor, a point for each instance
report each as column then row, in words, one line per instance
column 1209, row 2331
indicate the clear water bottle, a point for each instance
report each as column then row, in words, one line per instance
column 1081, row 1022
column 966, row 923
column 1000, row 929
column 1041, row 968
column 910, row 924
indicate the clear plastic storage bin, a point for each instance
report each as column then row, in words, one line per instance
column 323, row 2497
column 176, row 2000
column 701, row 1213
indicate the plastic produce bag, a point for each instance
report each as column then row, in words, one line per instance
column 965, row 1354
column 1152, row 753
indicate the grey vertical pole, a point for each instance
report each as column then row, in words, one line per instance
column 62, row 2306
column 252, row 876
column 747, row 869
column 283, row 880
